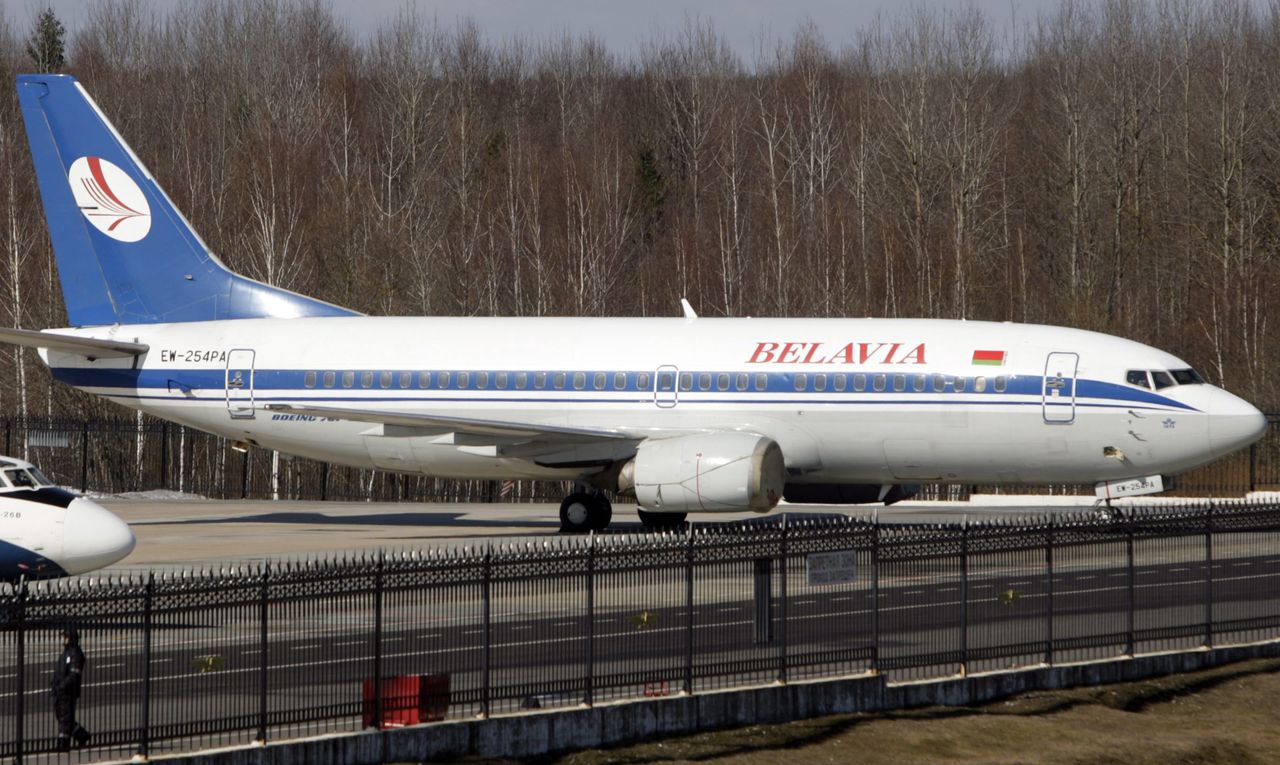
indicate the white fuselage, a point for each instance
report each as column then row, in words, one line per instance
column 848, row 400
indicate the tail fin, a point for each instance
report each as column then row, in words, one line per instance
column 125, row 254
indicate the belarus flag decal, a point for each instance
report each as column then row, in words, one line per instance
column 989, row 358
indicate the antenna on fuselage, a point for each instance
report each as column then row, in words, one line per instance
column 689, row 313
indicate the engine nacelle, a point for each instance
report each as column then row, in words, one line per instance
column 848, row 493
column 717, row 472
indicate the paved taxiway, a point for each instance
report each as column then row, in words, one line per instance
column 175, row 531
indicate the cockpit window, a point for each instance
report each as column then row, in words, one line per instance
column 1187, row 377
column 41, row 478
column 20, row 479
column 1137, row 377
column 1162, row 379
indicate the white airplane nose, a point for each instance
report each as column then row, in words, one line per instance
column 1233, row 422
column 93, row 537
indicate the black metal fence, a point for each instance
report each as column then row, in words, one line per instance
column 179, row 660
column 144, row 454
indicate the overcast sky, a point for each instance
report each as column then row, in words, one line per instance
column 622, row 24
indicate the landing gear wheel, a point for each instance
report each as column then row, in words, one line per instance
column 661, row 520
column 581, row 512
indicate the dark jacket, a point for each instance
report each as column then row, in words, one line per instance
column 70, row 668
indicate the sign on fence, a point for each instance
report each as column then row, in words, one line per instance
column 839, row 567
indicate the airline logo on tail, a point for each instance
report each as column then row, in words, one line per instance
column 109, row 199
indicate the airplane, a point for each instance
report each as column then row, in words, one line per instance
column 689, row 414
column 48, row 532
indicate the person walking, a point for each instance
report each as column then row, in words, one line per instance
column 67, row 676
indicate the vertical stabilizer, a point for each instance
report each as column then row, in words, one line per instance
column 125, row 254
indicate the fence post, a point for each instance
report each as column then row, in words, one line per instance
column 244, row 476
column 164, row 455
column 484, row 674
column 782, row 605
column 324, row 481
column 875, row 592
column 147, row 609
column 688, row 611
column 377, row 642
column 1208, row 577
column 20, row 619
column 964, row 596
column 262, row 662
column 84, row 456
column 1129, row 590
column 591, row 619
column 1048, row 616
column 8, row 436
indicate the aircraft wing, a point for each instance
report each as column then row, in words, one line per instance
column 493, row 430
column 90, row 347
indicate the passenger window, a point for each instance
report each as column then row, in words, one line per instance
column 557, row 380
column 722, row 382
column 482, row 380
column 961, row 384
column 802, row 381
column 366, row 379
column 839, row 382
column 666, row 381
column 384, row 379
column 619, row 380
column 704, row 381
column 598, row 380
column 522, row 380
column 500, row 381
column 979, row 385
column 899, row 382
column 859, row 382
column 464, row 380
column 1001, row 384
column 917, row 383
column 939, row 383
column 642, row 381
column 579, row 380
column 348, row 379
column 686, row 381
column 1161, row 379
column 309, row 379
column 878, row 382
column 740, row 382
column 406, row 379
column 329, row 377
column 819, row 382
column 424, row 379
column 1137, row 377
column 539, row 380
column 762, row 382
column 442, row 380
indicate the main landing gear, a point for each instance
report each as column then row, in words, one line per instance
column 581, row 512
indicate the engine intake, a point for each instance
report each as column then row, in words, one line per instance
column 717, row 472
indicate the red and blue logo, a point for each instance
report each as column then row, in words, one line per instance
column 110, row 199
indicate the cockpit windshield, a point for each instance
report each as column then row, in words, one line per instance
column 24, row 478
column 1159, row 378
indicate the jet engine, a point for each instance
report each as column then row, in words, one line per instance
column 715, row 472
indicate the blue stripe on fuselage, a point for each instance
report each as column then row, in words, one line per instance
column 283, row 382
column 17, row 561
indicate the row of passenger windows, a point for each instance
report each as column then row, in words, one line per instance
column 665, row 381
column 1158, row 379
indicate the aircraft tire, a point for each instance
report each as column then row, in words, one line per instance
column 654, row 520
column 581, row 512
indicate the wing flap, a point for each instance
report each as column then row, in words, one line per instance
column 90, row 347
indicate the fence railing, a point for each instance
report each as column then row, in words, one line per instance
column 179, row 660
column 145, row 454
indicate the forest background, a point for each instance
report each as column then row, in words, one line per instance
column 1110, row 165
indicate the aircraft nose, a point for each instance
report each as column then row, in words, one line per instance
column 1234, row 423
column 93, row 537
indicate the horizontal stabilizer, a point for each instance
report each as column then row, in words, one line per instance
column 449, row 424
column 89, row 347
